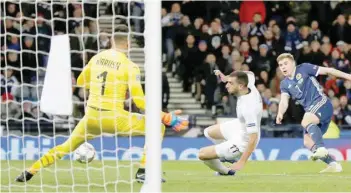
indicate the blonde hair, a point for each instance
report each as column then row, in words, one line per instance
column 285, row 55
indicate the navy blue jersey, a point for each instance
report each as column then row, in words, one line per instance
column 303, row 87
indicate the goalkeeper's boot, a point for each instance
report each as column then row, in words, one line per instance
column 24, row 177
column 230, row 173
column 140, row 176
column 333, row 167
column 321, row 152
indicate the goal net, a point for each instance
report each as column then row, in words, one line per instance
column 27, row 133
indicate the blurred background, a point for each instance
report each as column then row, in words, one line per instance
column 197, row 38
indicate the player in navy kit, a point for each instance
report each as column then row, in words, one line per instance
column 301, row 85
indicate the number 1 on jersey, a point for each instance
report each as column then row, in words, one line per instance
column 103, row 76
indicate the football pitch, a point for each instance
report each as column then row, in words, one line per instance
column 181, row 176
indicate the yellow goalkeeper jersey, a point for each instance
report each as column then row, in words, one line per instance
column 108, row 76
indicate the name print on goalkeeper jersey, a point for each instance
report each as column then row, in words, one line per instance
column 108, row 75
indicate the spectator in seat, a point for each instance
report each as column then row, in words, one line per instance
column 339, row 63
column 316, row 33
column 278, row 40
column 224, row 61
column 265, row 61
column 337, row 113
column 45, row 30
column 263, row 76
column 257, row 27
column 171, row 21
column 204, row 33
column 13, row 60
column 305, row 34
column 254, row 49
column 28, row 27
column 29, row 59
column 209, row 80
column 217, row 38
column 331, row 87
column 11, row 10
column 234, row 28
column 9, row 83
column 292, row 39
column 236, row 40
column 14, row 44
column 183, row 31
column 316, row 54
column 268, row 40
column 186, row 70
column 244, row 31
column 200, row 57
column 9, row 27
column 340, row 30
column 197, row 28
column 326, row 50
column 245, row 51
column 305, row 55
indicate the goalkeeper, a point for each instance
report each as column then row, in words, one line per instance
column 108, row 76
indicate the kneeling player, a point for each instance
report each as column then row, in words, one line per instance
column 108, row 76
column 235, row 140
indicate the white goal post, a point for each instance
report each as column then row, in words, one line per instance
column 153, row 69
column 19, row 150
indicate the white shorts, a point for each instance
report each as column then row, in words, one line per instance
column 234, row 144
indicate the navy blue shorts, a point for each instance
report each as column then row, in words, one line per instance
column 324, row 111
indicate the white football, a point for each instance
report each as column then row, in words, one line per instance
column 85, row 153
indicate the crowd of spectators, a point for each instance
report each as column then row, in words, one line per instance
column 199, row 37
column 26, row 28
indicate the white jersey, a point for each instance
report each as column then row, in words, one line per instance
column 249, row 110
column 236, row 132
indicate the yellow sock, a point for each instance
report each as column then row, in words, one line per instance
column 48, row 159
column 143, row 158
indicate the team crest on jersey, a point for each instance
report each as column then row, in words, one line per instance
column 298, row 76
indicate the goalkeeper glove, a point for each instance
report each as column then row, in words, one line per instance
column 172, row 119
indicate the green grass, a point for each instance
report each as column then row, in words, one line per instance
column 181, row 176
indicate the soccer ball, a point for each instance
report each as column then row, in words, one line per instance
column 85, row 153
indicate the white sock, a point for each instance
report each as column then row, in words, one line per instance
column 217, row 165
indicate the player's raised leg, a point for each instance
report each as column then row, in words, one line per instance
column 211, row 155
column 77, row 137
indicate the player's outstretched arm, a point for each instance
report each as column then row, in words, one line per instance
column 334, row 72
column 171, row 119
column 174, row 120
column 253, row 137
column 283, row 106
column 134, row 84
column 84, row 77
column 221, row 75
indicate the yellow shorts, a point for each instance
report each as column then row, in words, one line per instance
column 121, row 122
